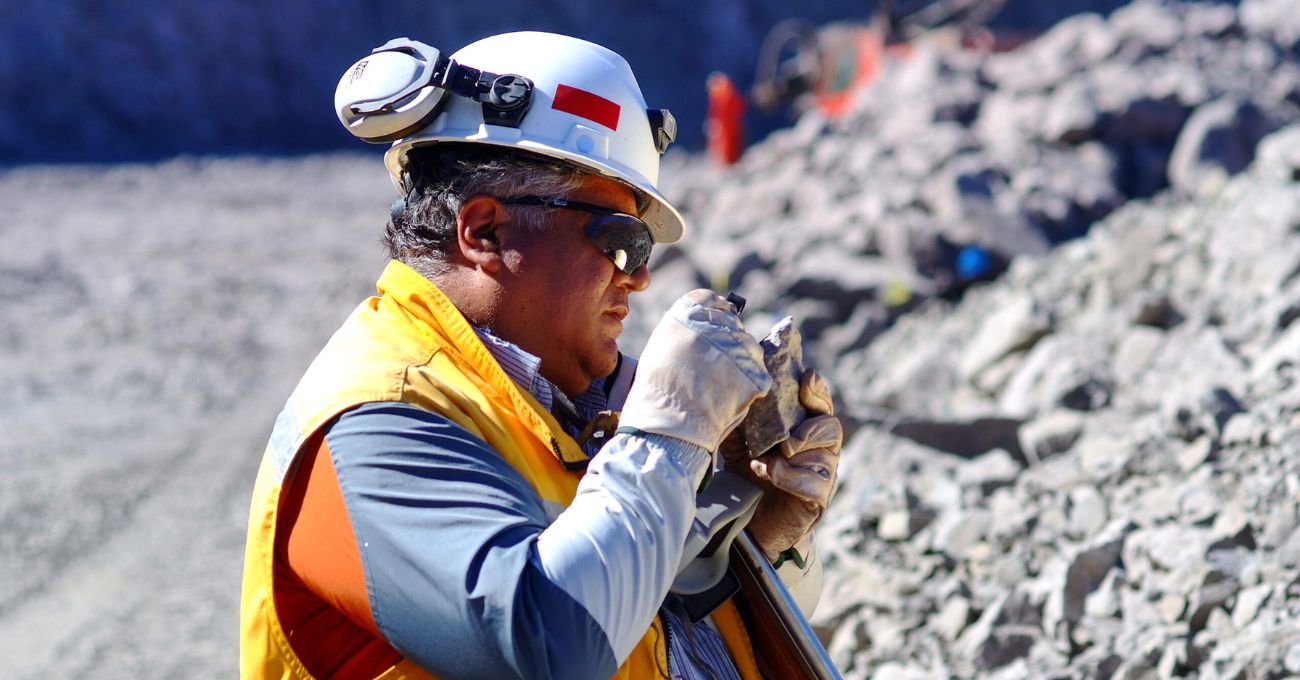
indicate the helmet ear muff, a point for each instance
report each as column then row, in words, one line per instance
column 402, row 86
column 391, row 93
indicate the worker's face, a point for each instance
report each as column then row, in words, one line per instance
column 567, row 301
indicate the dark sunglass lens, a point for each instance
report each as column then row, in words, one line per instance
column 624, row 239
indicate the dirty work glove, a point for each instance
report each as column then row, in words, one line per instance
column 698, row 375
column 797, row 475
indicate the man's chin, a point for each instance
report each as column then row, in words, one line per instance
column 604, row 366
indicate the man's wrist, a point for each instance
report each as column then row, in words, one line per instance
column 693, row 458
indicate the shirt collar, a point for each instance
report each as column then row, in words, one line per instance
column 520, row 365
column 525, row 369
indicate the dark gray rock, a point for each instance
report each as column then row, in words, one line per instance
column 966, row 439
column 1086, row 571
column 1001, row 634
column 1212, row 595
column 1005, row 644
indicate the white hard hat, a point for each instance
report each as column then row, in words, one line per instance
column 548, row 94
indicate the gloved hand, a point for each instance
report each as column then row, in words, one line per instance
column 797, row 475
column 698, row 375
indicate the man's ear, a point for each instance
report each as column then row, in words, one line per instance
column 477, row 232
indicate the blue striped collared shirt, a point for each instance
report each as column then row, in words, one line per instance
column 695, row 652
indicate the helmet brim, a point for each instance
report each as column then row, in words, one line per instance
column 665, row 222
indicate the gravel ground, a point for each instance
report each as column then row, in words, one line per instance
column 153, row 318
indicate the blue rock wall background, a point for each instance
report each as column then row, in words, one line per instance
column 89, row 80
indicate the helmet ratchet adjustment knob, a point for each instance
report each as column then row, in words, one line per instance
column 510, row 92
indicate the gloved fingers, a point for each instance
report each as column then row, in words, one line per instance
column 822, row 462
column 815, row 394
column 699, row 373
column 809, row 477
column 705, row 305
column 733, row 448
column 707, row 298
column 817, row 432
column 714, row 321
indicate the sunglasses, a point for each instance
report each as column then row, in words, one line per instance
column 625, row 239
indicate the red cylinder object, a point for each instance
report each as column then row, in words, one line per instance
column 724, row 128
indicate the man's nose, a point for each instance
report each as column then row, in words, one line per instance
column 639, row 279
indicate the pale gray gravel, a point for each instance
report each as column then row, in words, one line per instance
column 152, row 320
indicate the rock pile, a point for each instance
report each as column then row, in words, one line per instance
column 1092, row 467
column 954, row 162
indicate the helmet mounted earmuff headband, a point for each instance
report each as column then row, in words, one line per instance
column 380, row 107
column 429, row 77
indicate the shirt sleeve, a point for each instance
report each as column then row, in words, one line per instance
column 466, row 574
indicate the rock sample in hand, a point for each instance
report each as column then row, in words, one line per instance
column 772, row 417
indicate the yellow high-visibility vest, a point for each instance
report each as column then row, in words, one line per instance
column 410, row 344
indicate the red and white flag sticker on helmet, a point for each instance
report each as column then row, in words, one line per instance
column 584, row 104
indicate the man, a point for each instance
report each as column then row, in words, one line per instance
column 424, row 508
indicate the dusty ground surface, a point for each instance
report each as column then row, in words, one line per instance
column 152, row 321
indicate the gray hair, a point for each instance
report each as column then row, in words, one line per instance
column 443, row 177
